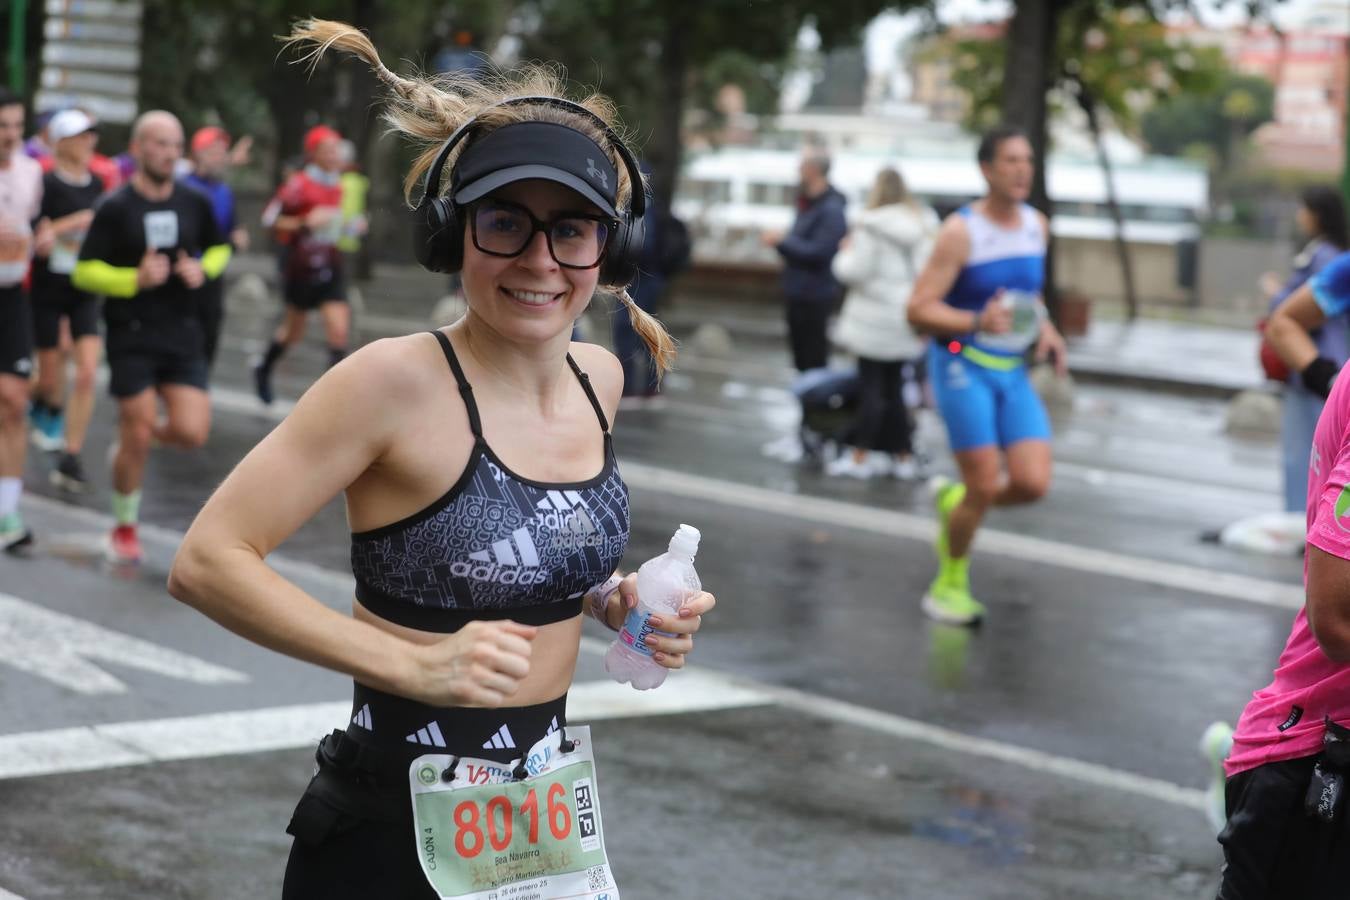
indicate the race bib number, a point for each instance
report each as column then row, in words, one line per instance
column 161, row 229
column 483, row 835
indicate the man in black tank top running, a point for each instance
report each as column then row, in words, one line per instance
column 486, row 508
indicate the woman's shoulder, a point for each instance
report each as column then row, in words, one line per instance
column 401, row 367
column 604, row 370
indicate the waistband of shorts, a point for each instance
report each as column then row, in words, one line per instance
column 397, row 730
column 983, row 358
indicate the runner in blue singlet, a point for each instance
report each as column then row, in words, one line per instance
column 979, row 295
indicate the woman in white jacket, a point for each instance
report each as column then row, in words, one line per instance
column 878, row 261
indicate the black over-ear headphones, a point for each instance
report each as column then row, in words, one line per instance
column 438, row 230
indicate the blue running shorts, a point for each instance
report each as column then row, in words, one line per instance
column 984, row 407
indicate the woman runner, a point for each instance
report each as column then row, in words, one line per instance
column 484, row 499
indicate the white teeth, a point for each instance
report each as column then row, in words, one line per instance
column 535, row 298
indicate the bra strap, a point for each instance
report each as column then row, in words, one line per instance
column 590, row 393
column 465, row 389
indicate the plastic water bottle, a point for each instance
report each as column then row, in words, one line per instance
column 664, row 583
column 1028, row 312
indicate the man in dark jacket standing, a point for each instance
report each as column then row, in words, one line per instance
column 807, row 250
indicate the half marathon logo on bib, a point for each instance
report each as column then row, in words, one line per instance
column 161, row 229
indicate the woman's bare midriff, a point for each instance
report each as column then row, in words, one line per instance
column 553, row 656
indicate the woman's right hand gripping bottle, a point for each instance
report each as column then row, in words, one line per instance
column 664, row 583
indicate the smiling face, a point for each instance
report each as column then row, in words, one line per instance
column 529, row 297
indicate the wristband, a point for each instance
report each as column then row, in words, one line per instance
column 597, row 599
column 1319, row 375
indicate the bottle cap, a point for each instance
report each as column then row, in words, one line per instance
column 685, row 541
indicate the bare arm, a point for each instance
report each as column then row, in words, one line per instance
column 1050, row 345
column 309, row 459
column 928, row 312
column 1290, row 328
column 1328, row 603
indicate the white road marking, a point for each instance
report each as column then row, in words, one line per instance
column 6, row 895
column 1027, row 758
column 909, row 729
column 58, row 647
column 823, row 511
column 93, row 747
column 103, row 746
column 897, row 524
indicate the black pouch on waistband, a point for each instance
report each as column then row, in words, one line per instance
column 339, row 797
column 1325, row 799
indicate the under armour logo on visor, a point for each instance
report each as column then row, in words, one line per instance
column 597, row 174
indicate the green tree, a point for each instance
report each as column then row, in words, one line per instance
column 1110, row 59
column 214, row 62
column 1219, row 119
column 654, row 56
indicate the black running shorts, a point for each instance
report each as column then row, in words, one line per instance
column 1272, row 849
column 140, row 358
column 57, row 299
column 307, row 295
column 16, row 332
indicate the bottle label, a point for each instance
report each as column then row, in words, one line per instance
column 635, row 630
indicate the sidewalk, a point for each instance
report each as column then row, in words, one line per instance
column 1156, row 354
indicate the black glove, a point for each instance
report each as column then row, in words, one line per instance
column 1319, row 375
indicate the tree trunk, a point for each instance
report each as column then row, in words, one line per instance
column 1026, row 80
column 1089, row 106
column 357, row 118
column 664, row 151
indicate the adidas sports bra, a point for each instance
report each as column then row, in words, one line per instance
column 496, row 545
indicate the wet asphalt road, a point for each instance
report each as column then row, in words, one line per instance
column 1049, row 754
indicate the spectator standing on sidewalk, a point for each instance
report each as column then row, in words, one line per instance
column 810, row 290
column 809, row 286
column 1321, row 218
column 211, row 158
column 878, row 262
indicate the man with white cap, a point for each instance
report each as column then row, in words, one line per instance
column 69, row 192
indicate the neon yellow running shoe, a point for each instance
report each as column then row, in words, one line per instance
column 947, row 495
column 950, row 601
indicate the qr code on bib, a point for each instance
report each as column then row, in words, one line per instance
column 596, row 878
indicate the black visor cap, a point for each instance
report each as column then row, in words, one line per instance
column 543, row 150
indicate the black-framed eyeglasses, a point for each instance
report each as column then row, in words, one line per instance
column 575, row 240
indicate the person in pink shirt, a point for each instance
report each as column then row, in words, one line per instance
column 20, row 199
column 1288, row 831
